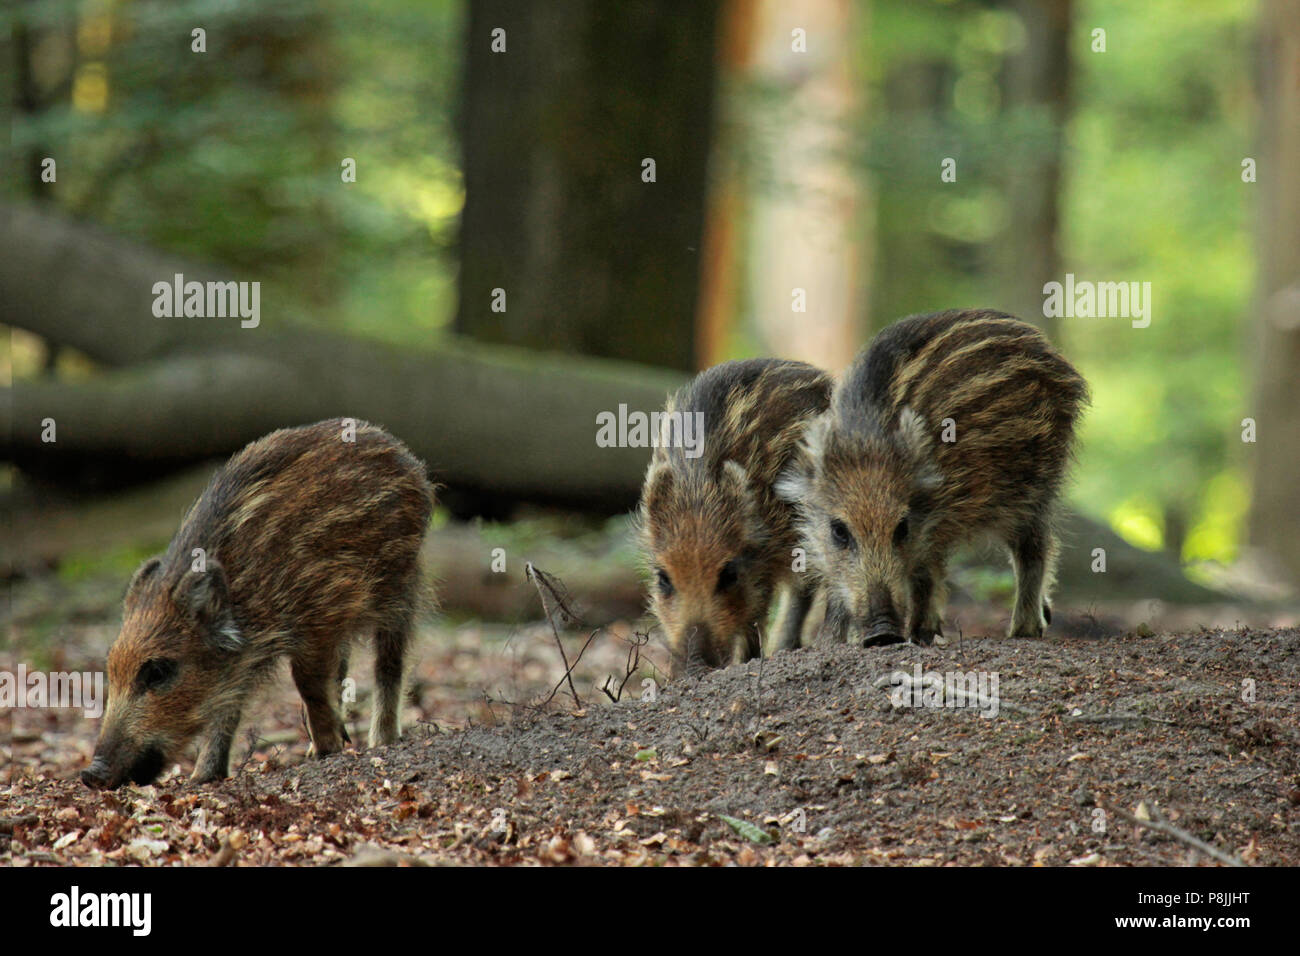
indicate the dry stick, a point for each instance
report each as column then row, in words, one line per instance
column 569, row 670
column 1002, row 703
column 543, row 584
column 538, row 706
column 1119, row 719
column 982, row 701
column 631, row 667
column 252, row 738
column 1160, row 825
column 633, row 663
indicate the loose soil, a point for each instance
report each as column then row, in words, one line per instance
column 1089, row 740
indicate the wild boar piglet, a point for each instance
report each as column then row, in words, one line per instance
column 307, row 538
column 718, row 538
column 946, row 427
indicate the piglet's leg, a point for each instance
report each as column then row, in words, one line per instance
column 345, row 653
column 315, row 671
column 1032, row 555
column 929, row 596
column 390, row 655
column 798, row 601
column 214, row 752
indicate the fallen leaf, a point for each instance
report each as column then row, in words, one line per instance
column 746, row 829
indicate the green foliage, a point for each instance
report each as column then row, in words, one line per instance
column 1152, row 192
column 1155, row 194
column 233, row 156
column 985, row 583
column 117, row 564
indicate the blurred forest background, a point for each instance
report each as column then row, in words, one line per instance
column 796, row 146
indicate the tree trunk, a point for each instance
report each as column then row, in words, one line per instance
column 804, row 230
column 487, row 419
column 1273, row 520
column 723, row 247
column 1036, row 88
column 592, row 259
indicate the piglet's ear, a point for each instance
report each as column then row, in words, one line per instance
column 658, row 484
column 816, row 435
column 914, row 434
column 736, row 482
column 795, row 483
column 143, row 574
column 205, row 596
column 735, row 476
column 655, row 501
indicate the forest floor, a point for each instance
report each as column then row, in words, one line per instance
column 1102, row 744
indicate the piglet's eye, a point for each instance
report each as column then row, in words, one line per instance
column 840, row 534
column 664, row 582
column 156, row 673
column 728, row 576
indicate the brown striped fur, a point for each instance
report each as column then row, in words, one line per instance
column 884, row 499
column 718, row 538
column 309, row 540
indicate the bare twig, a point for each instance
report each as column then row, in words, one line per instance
column 553, row 597
column 1091, row 615
column 701, row 731
column 568, row 671
column 1161, row 825
column 976, row 699
column 1119, row 719
column 982, row 700
column 535, row 708
column 252, row 738
column 639, row 640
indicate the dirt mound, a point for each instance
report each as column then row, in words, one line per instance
column 1126, row 750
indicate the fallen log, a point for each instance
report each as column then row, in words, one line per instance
column 497, row 425
column 490, row 421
